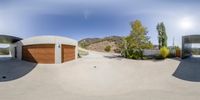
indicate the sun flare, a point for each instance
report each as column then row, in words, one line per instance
column 186, row 23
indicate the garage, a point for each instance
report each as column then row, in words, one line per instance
column 68, row 53
column 46, row 49
column 42, row 53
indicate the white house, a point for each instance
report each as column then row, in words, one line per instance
column 45, row 49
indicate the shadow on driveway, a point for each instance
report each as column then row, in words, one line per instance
column 189, row 69
column 117, row 57
column 14, row 69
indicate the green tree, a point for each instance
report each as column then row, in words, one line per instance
column 137, row 41
column 162, row 35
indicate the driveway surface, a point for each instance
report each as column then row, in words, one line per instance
column 97, row 76
column 4, row 57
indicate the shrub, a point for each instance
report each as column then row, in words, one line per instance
column 79, row 56
column 132, row 53
column 164, row 51
column 117, row 50
column 158, row 57
column 107, row 48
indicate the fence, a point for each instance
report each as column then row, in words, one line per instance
column 150, row 52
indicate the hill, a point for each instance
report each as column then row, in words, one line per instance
column 99, row 44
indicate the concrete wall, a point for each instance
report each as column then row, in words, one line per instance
column 151, row 52
column 58, row 53
column 12, row 50
column 45, row 40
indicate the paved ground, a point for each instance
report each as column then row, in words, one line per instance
column 4, row 57
column 96, row 77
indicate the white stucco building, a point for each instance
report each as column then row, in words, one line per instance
column 45, row 49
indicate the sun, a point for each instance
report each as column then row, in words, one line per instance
column 186, row 23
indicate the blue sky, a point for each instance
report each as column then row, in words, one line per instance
column 80, row 19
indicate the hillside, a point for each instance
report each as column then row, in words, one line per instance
column 99, row 44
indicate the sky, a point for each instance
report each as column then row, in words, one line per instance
column 80, row 19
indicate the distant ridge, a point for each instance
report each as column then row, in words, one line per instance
column 99, row 44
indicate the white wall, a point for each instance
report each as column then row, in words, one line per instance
column 19, row 50
column 151, row 52
column 58, row 53
column 76, row 51
column 12, row 50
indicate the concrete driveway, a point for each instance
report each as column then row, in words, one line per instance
column 5, row 57
column 97, row 76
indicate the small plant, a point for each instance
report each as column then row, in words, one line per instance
column 117, row 50
column 132, row 53
column 79, row 56
column 164, row 51
column 107, row 48
column 158, row 57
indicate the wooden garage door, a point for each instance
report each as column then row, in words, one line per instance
column 68, row 53
column 42, row 53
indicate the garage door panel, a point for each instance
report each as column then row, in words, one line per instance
column 69, row 57
column 69, row 50
column 42, row 53
column 68, row 53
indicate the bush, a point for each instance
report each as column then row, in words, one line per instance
column 107, row 48
column 158, row 57
column 132, row 53
column 117, row 50
column 164, row 51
